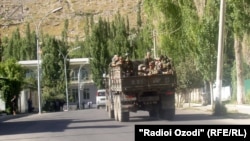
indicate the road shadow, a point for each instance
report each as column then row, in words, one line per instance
column 40, row 126
column 142, row 119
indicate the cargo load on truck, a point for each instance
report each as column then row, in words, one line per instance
column 134, row 85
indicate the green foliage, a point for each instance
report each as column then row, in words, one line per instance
column 53, row 76
column 12, row 76
column 182, row 36
column 185, row 35
column 98, row 43
column 105, row 40
column 233, row 83
column 206, row 52
column 65, row 31
column 185, row 80
column 28, row 48
column 143, row 41
column 247, row 97
column 11, row 70
column 240, row 16
column 20, row 48
column 139, row 20
column 12, row 47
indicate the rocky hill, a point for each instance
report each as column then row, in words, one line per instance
column 17, row 13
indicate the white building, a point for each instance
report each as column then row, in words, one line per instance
column 83, row 87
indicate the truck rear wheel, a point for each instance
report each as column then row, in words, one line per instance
column 115, row 108
column 122, row 116
column 167, row 110
column 106, row 108
column 167, row 114
column 111, row 112
column 154, row 113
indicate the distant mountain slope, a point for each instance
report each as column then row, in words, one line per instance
column 16, row 13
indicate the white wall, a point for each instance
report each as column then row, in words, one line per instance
column 2, row 105
column 22, row 102
column 225, row 93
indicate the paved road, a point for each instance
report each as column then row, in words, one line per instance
column 94, row 125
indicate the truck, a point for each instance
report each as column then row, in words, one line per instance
column 152, row 93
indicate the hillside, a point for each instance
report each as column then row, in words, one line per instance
column 17, row 13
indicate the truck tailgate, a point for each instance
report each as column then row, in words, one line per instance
column 136, row 83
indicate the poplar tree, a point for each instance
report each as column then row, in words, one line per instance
column 53, row 81
column 99, row 51
column 28, row 49
column 13, row 46
column 240, row 16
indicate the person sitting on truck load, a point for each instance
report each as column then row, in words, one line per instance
column 152, row 69
column 159, row 63
column 141, row 70
column 114, row 60
column 148, row 59
column 120, row 61
column 166, row 66
column 128, row 67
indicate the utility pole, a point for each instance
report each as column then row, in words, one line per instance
column 39, row 58
column 154, row 41
column 218, row 104
column 79, row 86
column 65, row 73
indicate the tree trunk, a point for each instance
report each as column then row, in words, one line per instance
column 239, row 70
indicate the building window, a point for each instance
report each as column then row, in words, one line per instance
column 73, row 96
column 84, row 74
column 74, row 76
column 30, row 74
column 86, row 94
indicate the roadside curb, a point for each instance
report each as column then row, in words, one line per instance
column 4, row 117
column 245, row 109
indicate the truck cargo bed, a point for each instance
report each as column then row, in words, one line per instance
column 135, row 83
